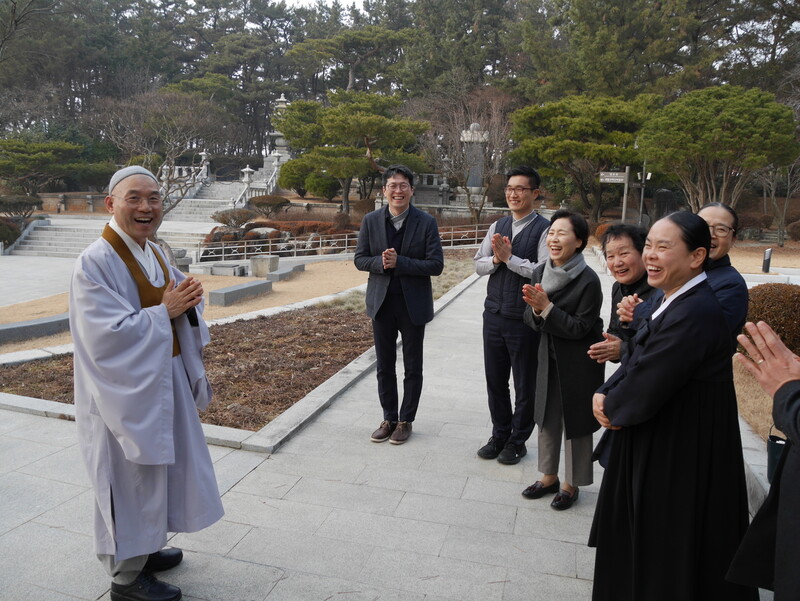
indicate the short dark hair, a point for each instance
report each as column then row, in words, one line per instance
column 398, row 170
column 694, row 231
column 534, row 181
column 637, row 234
column 727, row 208
column 579, row 225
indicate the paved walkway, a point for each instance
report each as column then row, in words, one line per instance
column 330, row 515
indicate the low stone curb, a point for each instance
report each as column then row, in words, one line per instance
column 34, row 328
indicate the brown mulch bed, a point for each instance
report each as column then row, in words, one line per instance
column 258, row 368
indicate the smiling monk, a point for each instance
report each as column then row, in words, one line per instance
column 139, row 381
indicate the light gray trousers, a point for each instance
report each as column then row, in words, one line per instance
column 577, row 451
column 125, row 571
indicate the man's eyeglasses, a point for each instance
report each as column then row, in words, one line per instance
column 720, row 231
column 516, row 189
column 402, row 186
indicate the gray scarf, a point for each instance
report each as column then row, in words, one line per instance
column 555, row 278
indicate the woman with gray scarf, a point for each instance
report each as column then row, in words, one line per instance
column 564, row 300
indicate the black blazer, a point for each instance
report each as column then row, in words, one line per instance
column 419, row 258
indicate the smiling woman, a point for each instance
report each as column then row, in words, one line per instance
column 564, row 301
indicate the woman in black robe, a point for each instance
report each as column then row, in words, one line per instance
column 672, row 507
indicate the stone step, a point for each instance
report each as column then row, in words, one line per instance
column 70, row 241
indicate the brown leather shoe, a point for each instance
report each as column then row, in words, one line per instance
column 384, row 431
column 401, row 433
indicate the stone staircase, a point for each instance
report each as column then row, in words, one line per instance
column 216, row 196
column 209, row 199
column 68, row 241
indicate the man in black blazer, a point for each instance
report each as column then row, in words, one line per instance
column 399, row 246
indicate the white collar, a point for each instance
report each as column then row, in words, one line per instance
column 683, row 289
column 145, row 257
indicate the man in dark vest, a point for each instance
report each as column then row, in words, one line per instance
column 399, row 246
column 513, row 247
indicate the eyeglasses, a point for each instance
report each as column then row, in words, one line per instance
column 721, row 231
column 515, row 189
column 134, row 200
column 402, row 186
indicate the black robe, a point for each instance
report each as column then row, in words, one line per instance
column 672, row 506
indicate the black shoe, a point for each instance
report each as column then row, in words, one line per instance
column 512, row 453
column 166, row 559
column 563, row 500
column 145, row 588
column 537, row 490
column 491, row 449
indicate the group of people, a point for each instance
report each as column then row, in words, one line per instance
column 672, row 506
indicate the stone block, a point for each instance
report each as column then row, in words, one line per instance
column 236, row 269
column 179, row 253
column 284, row 273
column 261, row 265
column 201, row 268
column 236, row 294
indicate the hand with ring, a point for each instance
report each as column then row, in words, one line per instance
column 770, row 361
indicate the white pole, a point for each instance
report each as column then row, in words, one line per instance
column 625, row 192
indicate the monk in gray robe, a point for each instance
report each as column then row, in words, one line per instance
column 139, row 382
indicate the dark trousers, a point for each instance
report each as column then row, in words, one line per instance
column 393, row 318
column 509, row 346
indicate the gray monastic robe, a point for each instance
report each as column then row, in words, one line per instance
column 136, row 409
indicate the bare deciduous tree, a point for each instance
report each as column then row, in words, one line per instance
column 451, row 112
column 158, row 128
column 16, row 16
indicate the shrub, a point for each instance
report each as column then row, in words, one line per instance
column 766, row 220
column 229, row 238
column 9, row 231
column 293, row 176
column 249, row 235
column 234, row 217
column 749, row 220
column 773, row 303
column 601, row 230
column 323, row 185
column 268, row 204
column 19, row 208
column 793, row 229
column 341, row 221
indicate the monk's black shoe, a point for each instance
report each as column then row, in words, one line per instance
column 166, row 559
column 146, row 587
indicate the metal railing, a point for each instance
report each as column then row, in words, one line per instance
column 322, row 244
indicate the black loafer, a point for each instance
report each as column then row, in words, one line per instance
column 538, row 490
column 146, row 587
column 166, row 559
column 563, row 500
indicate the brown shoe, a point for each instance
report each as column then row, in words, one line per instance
column 384, row 431
column 401, row 433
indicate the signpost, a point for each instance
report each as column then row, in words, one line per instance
column 618, row 177
column 612, row 177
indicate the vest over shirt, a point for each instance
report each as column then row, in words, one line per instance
column 504, row 290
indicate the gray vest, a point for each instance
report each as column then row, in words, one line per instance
column 504, row 290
